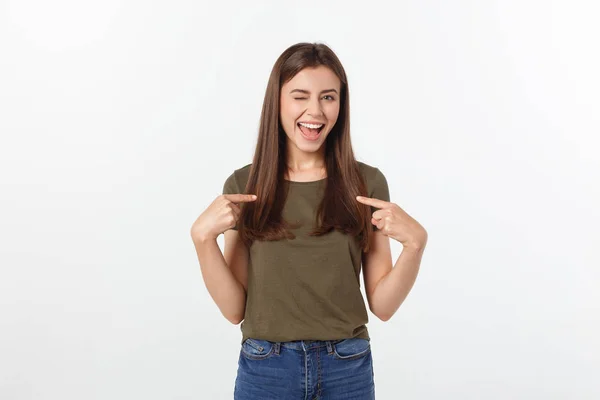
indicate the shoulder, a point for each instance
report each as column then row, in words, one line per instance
column 377, row 185
column 236, row 181
column 242, row 173
column 370, row 172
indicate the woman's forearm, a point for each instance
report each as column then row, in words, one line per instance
column 226, row 291
column 393, row 288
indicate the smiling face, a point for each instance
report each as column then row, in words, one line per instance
column 309, row 108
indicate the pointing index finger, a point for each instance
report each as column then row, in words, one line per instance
column 372, row 202
column 240, row 198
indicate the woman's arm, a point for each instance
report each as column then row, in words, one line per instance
column 225, row 276
column 388, row 287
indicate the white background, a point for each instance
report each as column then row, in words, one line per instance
column 121, row 120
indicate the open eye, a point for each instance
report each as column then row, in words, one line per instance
column 330, row 97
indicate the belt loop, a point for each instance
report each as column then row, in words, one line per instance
column 329, row 347
column 277, row 347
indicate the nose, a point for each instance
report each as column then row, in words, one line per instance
column 314, row 108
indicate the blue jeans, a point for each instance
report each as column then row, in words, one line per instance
column 305, row 370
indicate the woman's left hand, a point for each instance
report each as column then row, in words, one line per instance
column 394, row 222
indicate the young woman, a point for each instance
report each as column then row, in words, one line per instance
column 298, row 223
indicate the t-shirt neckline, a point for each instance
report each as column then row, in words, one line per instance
column 305, row 183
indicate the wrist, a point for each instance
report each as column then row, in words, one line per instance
column 415, row 247
column 417, row 243
column 201, row 239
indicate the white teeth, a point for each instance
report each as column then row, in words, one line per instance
column 311, row 126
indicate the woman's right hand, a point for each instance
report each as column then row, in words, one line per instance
column 222, row 214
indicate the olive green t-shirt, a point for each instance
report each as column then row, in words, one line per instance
column 307, row 288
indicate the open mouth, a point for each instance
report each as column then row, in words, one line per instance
column 310, row 131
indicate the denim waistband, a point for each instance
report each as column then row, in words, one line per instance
column 308, row 344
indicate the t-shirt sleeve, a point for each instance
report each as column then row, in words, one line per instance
column 231, row 187
column 379, row 190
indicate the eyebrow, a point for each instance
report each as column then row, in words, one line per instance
column 307, row 92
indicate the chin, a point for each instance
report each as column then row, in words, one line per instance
column 308, row 149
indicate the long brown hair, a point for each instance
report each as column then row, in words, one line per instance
column 339, row 209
